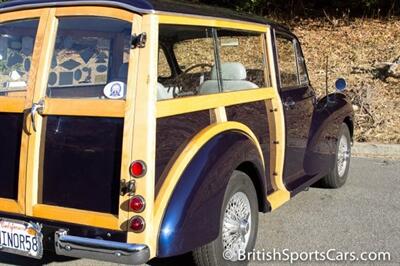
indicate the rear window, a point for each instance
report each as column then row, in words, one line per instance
column 90, row 58
column 17, row 41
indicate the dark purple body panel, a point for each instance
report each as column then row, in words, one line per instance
column 298, row 118
column 10, row 145
column 193, row 215
column 255, row 116
column 81, row 168
column 173, row 134
column 321, row 147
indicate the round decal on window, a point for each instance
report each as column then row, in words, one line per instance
column 115, row 90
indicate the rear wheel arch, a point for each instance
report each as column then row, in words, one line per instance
column 250, row 169
column 194, row 194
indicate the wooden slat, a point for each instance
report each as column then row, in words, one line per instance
column 84, row 107
column 132, row 85
column 11, row 206
column 32, row 160
column 95, row 11
column 88, row 218
column 18, row 15
column 211, row 101
column 12, row 104
column 211, row 22
column 276, row 121
column 143, row 145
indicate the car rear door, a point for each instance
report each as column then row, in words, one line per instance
column 68, row 131
column 20, row 49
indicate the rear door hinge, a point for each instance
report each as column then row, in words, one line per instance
column 139, row 41
column 127, row 187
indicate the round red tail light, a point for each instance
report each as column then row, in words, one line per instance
column 137, row 224
column 137, row 169
column 137, row 204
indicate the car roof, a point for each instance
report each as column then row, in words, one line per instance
column 145, row 7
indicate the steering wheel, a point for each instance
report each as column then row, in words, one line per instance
column 180, row 79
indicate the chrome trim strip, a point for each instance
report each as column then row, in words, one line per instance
column 98, row 249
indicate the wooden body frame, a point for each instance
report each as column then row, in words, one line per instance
column 140, row 111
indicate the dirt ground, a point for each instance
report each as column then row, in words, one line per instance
column 353, row 49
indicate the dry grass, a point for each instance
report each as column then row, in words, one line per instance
column 362, row 43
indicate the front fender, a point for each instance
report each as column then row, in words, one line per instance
column 327, row 119
column 193, row 213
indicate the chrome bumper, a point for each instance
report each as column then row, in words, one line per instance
column 98, row 249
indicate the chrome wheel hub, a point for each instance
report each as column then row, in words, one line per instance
column 343, row 156
column 236, row 227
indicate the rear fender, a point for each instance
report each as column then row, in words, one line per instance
column 193, row 213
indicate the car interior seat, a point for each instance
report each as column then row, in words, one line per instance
column 234, row 77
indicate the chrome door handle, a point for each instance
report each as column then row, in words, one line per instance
column 289, row 104
column 36, row 108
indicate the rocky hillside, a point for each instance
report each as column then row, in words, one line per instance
column 365, row 53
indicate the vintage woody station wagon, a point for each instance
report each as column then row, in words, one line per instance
column 135, row 129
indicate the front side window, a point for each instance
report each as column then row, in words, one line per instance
column 302, row 66
column 17, row 41
column 287, row 62
column 90, row 58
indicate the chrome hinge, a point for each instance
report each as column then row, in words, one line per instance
column 127, row 187
column 36, row 108
column 139, row 41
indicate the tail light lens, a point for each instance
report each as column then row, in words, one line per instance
column 137, row 204
column 137, row 224
column 137, row 169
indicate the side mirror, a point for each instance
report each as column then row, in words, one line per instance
column 340, row 84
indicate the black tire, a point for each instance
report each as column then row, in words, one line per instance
column 334, row 179
column 213, row 254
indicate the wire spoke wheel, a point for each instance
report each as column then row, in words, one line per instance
column 343, row 156
column 236, row 223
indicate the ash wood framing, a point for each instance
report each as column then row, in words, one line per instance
column 144, row 136
column 210, row 22
column 35, row 139
column 88, row 218
column 205, row 102
column 12, row 104
column 276, row 122
column 84, row 107
column 129, row 122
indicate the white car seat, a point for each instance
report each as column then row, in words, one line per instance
column 234, row 77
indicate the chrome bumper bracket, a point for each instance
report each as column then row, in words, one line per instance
column 98, row 249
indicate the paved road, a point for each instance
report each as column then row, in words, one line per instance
column 362, row 216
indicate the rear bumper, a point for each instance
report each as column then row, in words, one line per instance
column 81, row 247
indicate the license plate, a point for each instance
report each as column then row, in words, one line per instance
column 21, row 238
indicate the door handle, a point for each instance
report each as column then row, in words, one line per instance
column 37, row 108
column 289, row 103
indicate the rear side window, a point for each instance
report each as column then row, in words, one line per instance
column 90, row 58
column 17, row 41
column 242, row 60
column 287, row 62
column 210, row 61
